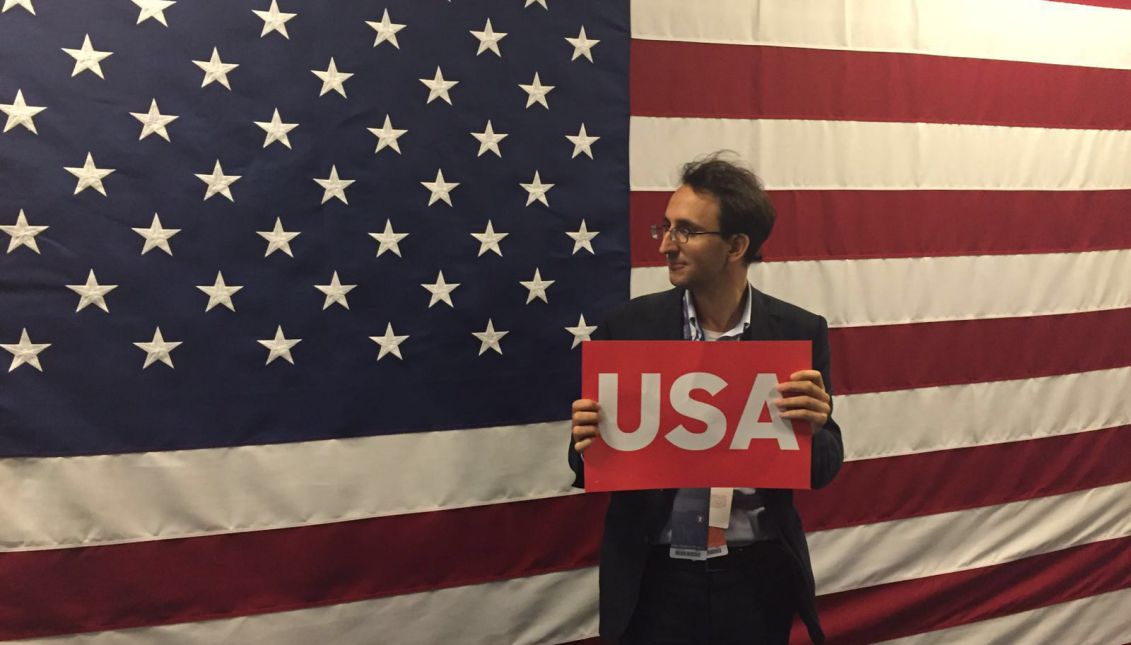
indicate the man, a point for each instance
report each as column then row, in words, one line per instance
column 714, row 227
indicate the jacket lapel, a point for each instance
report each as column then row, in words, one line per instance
column 764, row 325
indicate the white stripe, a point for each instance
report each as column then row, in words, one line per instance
column 886, row 552
column 808, row 155
column 1023, row 30
column 551, row 608
column 852, row 293
column 1096, row 620
column 902, row 422
column 53, row 502
column 63, row 502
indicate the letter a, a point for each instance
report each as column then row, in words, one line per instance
column 749, row 427
column 617, row 439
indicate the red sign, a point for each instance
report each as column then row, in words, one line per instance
column 683, row 414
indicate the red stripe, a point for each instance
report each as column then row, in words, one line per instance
column 680, row 79
column 878, row 490
column 895, row 357
column 926, row 604
column 1113, row 4
column 180, row 580
column 856, row 224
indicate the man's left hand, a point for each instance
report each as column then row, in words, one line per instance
column 804, row 399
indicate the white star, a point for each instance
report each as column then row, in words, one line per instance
column 387, row 136
column 438, row 87
column 215, row 70
column 489, row 39
column 87, row 58
column 274, row 20
column 388, row 240
column 92, row 293
column 276, row 130
column 153, row 122
column 386, row 31
column 489, row 240
column 390, row 343
column 22, row 234
column 489, row 140
column 335, row 292
column 536, row 92
column 582, row 142
column 25, row 351
column 489, row 338
column 440, row 290
column 26, row 4
column 581, row 331
column 158, row 350
column 90, row 176
column 156, row 236
column 537, row 287
column 541, row 2
column 440, row 189
column 218, row 182
column 280, row 346
column 537, row 190
column 332, row 79
column 582, row 46
column 219, row 293
column 333, row 186
column 278, row 239
column 20, row 113
column 154, row 9
column 583, row 238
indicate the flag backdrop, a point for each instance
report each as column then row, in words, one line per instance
column 349, row 448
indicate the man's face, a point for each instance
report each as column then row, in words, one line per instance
column 703, row 258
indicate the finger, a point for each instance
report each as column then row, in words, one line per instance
column 803, row 388
column 585, row 418
column 803, row 403
column 586, row 405
column 583, row 432
column 809, row 375
column 580, row 446
column 815, row 418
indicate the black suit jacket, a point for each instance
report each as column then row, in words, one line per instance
column 634, row 518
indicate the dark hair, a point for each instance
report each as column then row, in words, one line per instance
column 744, row 207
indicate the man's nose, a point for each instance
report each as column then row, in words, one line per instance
column 667, row 245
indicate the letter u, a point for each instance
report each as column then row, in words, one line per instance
column 611, row 432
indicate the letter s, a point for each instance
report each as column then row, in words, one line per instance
column 683, row 403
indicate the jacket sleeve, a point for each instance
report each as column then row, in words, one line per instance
column 828, row 445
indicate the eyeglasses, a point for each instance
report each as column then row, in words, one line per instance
column 680, row 235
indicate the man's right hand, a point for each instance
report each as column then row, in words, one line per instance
column 585, row 414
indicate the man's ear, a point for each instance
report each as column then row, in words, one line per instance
column 738, row 245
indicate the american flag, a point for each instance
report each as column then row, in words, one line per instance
column 953, row 185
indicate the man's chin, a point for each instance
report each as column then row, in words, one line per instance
column 677, row 276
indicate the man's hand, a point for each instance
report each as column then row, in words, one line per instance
column 803, row 399
column 585, row 413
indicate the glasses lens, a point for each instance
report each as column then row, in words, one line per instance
column 658, row 231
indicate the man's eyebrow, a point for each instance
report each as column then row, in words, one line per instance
column 679, row 222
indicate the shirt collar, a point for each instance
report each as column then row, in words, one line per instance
column 692, row 317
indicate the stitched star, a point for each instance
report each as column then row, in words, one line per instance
column 386, row 31
column 274, row 20
column 90, row 176
column 22, row 234
column 25, row 351
column 332, row 79
column 156, row 236
column 335, row 292
column 280, row 346
column 388, row 240
column 333, row 186
column 581, row 332
column 387, row 136
column 582, row 46
column 489, row 240
column 582, row 142
column 489, row 140
column 278, row 239
column 489, row 338
column 541, row 2
column 158, row 349
column 441, row 291
column 582, row 238
column 26, row 4
column 218, row 182
column 153, row 122
column 20, row 113
column 536, row 92
column 438, row 87
column 537, row 287
column 92, row 293
column 276, row 130
column 154, row 9
column 87, row 58
column 536, row 190
column 215, row 70
column 219, row 293
column 440, row 189
column 390, row 343
column 489, row 39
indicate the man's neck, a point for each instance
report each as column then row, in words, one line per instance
column 719, row 308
